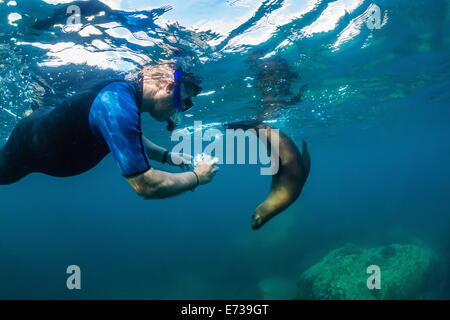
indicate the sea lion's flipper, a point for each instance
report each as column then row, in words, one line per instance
column 306, row 158
column 244, row 125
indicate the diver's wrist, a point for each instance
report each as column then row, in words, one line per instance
column 166, row 156
column 197, row 181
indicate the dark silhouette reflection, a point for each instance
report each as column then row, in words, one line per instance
column 273, row 81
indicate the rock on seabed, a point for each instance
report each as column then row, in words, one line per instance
column 342, row 274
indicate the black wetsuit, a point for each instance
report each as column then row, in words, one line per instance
column 74, row 137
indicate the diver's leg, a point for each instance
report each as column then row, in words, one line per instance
column 11, row 169
column 15, row 160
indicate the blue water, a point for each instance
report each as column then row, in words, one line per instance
column 375, row 114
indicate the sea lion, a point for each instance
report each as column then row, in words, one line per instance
column 288, row 182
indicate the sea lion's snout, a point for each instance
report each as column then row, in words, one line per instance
column 257, row 222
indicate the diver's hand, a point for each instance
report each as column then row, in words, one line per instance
column 206, row 170
column 179, row 159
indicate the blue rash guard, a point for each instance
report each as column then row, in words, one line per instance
column 74, row 137
column 114, row 118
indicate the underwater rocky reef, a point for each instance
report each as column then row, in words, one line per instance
column 405, row 272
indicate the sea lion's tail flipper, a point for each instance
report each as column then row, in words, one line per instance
column 306, row 158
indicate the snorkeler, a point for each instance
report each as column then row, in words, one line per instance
column 74, row 137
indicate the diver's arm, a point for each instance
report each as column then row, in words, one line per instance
column 156, row 184
column 154, row 151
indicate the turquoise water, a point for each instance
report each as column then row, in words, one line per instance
column 374, row 110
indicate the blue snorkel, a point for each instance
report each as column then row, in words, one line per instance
column 181, row 105
column 177, row 76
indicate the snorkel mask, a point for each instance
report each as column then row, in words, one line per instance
column 180, row 105
column 177, row 118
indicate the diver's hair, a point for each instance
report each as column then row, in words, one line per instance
column 154, row 77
